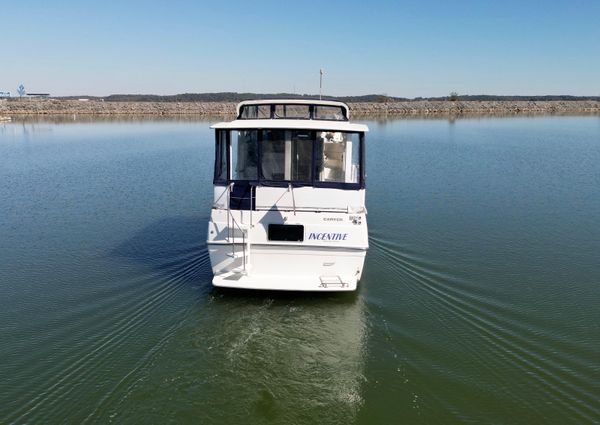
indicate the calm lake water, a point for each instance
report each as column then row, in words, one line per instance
column 480, row 300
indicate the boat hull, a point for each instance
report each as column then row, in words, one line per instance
column 287, row 268
column 329, row 254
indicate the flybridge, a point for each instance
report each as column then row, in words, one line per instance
column 293, row 109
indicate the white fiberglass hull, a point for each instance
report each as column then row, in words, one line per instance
column 329, row 258
column 291, row 268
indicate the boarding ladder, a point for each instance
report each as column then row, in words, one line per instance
column 234, row 227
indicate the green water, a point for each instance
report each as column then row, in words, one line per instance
column 480, row 300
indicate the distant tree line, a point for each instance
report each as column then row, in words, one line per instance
column 490, row 97
column 238, row 97
column 231, row 97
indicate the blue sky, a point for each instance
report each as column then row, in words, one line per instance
column 399, row 48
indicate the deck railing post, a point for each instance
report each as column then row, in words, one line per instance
column 291, row 189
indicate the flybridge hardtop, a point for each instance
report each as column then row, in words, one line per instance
column 318, row 109
column 299, row 114
column 291, row 124
column 289, row 197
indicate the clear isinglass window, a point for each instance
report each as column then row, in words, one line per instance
column 244, row 155
column 338, row 157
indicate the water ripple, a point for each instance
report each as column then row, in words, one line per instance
column 513, row 339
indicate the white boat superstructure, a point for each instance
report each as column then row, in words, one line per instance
column 289, row 198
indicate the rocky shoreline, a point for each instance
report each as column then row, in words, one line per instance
column 40, row 107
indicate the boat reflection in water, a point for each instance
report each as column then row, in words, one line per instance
column 293, row 359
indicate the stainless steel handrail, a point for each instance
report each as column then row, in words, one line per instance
column 291, row 189
column 231, row 230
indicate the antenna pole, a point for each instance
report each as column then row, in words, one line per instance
column 320, row 82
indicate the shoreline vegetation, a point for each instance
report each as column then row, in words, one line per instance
column 38, row 107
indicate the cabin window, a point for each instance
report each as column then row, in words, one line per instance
column 279, row 156
column 252, row 112
column 244, row 155
column 335, row 113
column 286, row 232
column 286, row 155
column 273, row 165
column 292, row 111
column 221, row 156
column 301, row 156
column 338, row 157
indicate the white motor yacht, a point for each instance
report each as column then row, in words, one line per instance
column 289, row 198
